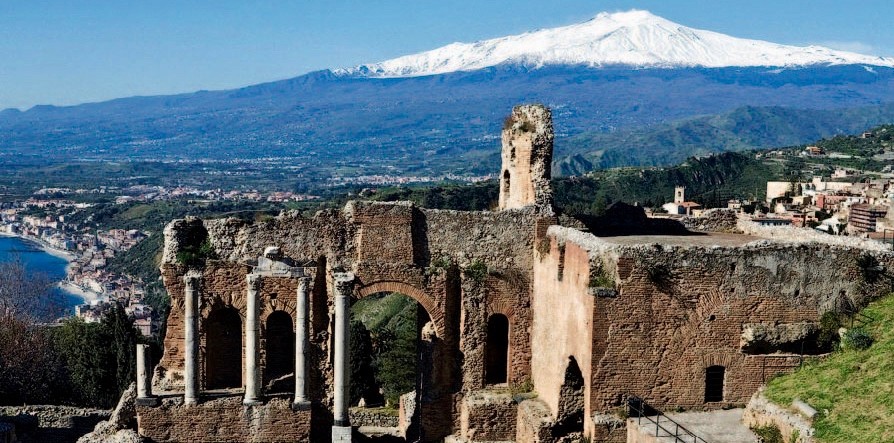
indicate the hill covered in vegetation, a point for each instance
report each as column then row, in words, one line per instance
column 852, row 388
column 745, row 128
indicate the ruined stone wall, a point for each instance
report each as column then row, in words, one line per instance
column 562, row 319
column 393, row 247
column 503, row 242
column 49, row 423
column 681, row 309
column 226, row 419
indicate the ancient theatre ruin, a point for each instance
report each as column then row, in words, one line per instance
column 257, row 342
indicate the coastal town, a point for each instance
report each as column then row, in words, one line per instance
column 49, row 218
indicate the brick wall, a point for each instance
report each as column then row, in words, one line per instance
column 677, row 310
column 225, row 419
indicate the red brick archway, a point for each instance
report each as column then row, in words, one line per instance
column 434, row 313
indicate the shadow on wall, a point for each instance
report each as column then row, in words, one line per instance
column 622, row 219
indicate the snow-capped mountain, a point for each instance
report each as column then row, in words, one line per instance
column 633, row 38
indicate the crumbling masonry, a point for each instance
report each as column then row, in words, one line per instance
column 256, row 348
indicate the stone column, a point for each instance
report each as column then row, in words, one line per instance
column 341, row 429
column 252, row 342
column 301, row 342
column 191, row 339
column 144, row 377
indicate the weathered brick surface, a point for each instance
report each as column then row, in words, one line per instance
column 678, row 310
column 489, row 416
column 225, row 420
column 390, row 247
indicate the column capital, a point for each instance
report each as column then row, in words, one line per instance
column 304, row 283
column 192, row 279
column 344, row 283
column 253, row 281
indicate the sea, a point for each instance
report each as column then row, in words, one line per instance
column 36, row 259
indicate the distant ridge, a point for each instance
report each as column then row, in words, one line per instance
column 634, row 38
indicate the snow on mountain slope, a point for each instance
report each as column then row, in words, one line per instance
column 634, row 38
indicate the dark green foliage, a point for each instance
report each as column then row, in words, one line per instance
column 391, row 319
column 857, row 338
column 363, row 380
column 710, row 181
column 396, row 360
column 477, row 197
column 476, row 271
column 768, row 434
column 828, row 337
column 124, row 341
column 742, row 129
column 99, row 358
column 195, row 255
column 601, row 279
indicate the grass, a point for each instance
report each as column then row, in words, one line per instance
column 853, row 390
column 377, row 310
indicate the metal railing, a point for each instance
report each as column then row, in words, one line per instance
column 860, row 320
column 662, row 428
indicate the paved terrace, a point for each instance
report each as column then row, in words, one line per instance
column 707, row 240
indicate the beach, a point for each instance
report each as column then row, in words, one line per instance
column 87, row 295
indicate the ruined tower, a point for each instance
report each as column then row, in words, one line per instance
column 527, row 159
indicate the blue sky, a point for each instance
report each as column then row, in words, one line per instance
column 66, row 52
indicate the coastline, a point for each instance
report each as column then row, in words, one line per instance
column 59, row 253
column 86, row 295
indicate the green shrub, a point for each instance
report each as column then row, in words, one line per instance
column 193, row 255
column 857, row 338
column 828, row 337
column 601, row 279
column 477, row 271
column 768, row 434
column 521, row 387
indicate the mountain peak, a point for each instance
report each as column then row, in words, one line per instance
column 634, row 38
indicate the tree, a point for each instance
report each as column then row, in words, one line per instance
column 124, row 339
column 27, row 295
column 363, row 380
column 30, row 368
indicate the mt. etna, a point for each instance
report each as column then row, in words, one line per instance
column 441, row 111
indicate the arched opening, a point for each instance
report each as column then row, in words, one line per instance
column 570, row 414
column 497, row 349
column 386, row 351
column 506, row 182
column 280, row 346
column 714, row 377
column 223, row 349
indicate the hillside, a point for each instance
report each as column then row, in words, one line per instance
column 745, row 128
column 710, row 180
column 852, row 389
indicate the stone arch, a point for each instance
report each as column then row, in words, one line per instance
column 279, row 338
column 434, row 312
column 223, row 349
column 496, row 350
column 501, row 305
